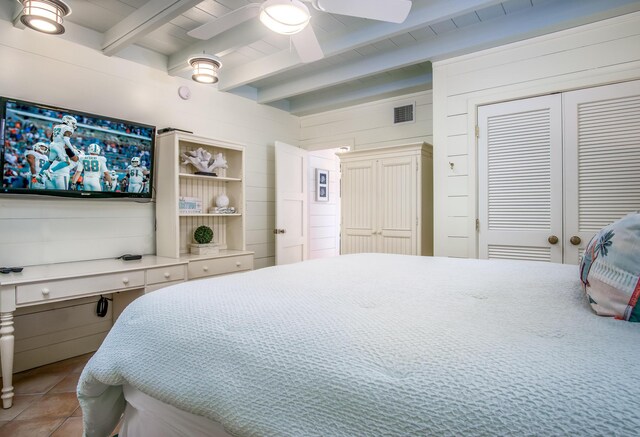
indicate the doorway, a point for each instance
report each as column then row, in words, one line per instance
column 307, row 204
column 324, row 206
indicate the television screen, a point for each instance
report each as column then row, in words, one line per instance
column 55, row 151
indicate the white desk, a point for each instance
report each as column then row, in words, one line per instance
column 37, row 285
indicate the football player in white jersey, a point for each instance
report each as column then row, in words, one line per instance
column 61, row 154
column 94, row 167
column 37, row 158
column 135, row 176
column 114, row 182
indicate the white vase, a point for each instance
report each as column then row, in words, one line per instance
column 222, row 201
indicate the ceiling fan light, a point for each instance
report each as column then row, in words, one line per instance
column 286, row 17
column 205, row 68
column 44, row 15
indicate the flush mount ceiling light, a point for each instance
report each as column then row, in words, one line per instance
column 286, row 17
column 44, row 15
column 205, row 68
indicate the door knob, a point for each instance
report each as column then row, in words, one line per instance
column 553, row 239
column 279, row 231
column 575, row 240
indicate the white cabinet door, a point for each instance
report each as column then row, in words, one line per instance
column 291, row 204
column 520, row 179
column 602, row 160
column 397, row 191
column 359, row 207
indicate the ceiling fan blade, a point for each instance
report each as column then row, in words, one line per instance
column 307, row 45
column 225, row 22
column 393, row 11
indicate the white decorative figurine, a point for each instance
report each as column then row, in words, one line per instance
column 203, row 161
column 222, row 206
column 222, row 201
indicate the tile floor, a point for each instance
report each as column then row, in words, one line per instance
column 45, row 403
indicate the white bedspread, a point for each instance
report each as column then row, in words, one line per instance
column 376, row 345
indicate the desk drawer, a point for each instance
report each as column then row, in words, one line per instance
column 165, row 274
column 65, row 288
column 154, row 287
column 220, row 266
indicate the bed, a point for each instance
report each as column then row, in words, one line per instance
column 368, row 345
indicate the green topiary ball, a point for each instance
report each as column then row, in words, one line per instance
column 203, row 235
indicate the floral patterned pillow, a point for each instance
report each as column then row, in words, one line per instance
column 610, row 269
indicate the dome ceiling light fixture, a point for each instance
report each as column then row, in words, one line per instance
column 45, row 16
column 286, row 17
column 205, row 68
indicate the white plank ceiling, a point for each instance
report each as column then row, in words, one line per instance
column 364, row 60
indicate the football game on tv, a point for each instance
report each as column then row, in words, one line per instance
column 60, row 152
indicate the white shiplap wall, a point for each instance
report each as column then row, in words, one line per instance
column 54, row 71
column 50, row 70
column 369, row 125
column 324, row 217
column 595, row 54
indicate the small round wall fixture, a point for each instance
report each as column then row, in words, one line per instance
column 184, row 92
column 45, row 16
column 286, row 17
column 205, row 68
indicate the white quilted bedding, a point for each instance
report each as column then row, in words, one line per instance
column 376, row 345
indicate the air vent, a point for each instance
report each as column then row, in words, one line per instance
column 403, row 114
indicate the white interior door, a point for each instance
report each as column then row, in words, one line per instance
column 602, row 160
column 291, row 204
column 520, row 179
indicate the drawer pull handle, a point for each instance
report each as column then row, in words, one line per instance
column 205, row 268
column 238, row 263
column 125, row 280
column 45, row 292
column 167, row 275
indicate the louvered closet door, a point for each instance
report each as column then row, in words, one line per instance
column 397, row 185
column 358, row 206
column 520, row 179
column 602, row 160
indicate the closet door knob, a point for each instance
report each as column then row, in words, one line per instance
column 553, row 239
column 575, row 240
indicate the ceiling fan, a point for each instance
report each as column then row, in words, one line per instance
column 291, row 17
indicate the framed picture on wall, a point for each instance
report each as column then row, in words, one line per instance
column 322, row 185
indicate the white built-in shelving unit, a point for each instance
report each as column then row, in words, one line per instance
column 174, row 231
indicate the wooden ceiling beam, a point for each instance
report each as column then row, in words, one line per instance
column 232, row 39
column 341, row 97
column 144, row 20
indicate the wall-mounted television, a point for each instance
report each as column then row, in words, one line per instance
column 61, row 152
